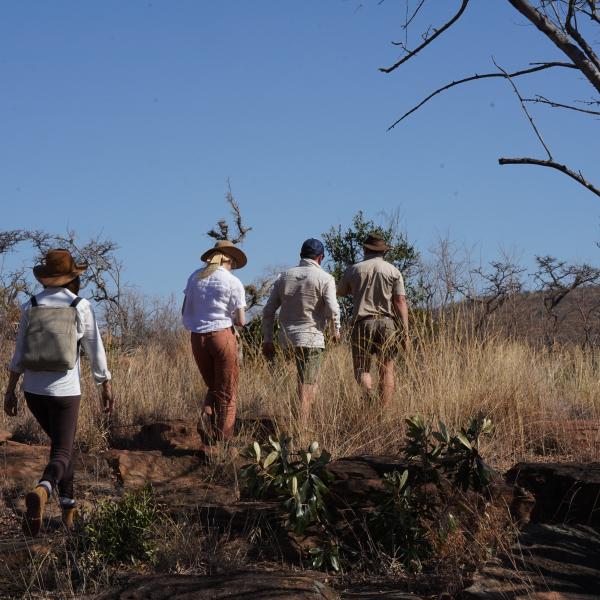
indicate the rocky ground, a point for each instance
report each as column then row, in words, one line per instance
column 556, row 555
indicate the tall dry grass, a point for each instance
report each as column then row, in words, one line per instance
column 539, row 400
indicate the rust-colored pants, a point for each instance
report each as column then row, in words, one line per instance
column 216, row 355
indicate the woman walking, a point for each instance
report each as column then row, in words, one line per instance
column 53, row 326
column 214, row 303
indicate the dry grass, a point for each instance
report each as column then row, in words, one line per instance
column 532, row 395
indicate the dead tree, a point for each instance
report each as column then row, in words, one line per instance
column 573, row 26
column 102, row 278
column 557, row 280
column 222, row 232
column 500, row 283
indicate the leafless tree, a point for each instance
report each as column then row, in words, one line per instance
column 557, row 280
column 450, row 278
column 587, row 307
column 573, row 26
column 102, row 278
column 222, row 232
column 499, row 283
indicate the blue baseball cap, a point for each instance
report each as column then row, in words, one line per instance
column 311, row 248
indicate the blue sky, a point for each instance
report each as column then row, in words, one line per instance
column 127, row 118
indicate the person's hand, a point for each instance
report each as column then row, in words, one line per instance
column 11, row 403
column 337, row 336
column 268, row 349
column 108, row 399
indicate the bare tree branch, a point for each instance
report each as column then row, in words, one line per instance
column 574, row 33
column 593, row 14
column 577, row 176
column 542, row 100
column 560, row 39
column 531, row 121
column 428, row 39
column 223, row 232
column 534, row 69
column 409, row 20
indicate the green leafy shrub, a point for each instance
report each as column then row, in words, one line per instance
column 414, row 518
column 298, row 479
column 399, row 526
column 326, row 556
column 438, row 453
column 120, row 532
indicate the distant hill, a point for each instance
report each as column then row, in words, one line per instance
column 524, row 316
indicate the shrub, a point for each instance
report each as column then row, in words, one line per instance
column 120, row 532
column 297, row 479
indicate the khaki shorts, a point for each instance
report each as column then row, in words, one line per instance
column 373, row 336
column 308, row 363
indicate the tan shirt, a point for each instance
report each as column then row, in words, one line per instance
column 372, row 284
column 306, row 296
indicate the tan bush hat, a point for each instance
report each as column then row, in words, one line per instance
column 228, row 248
column 58, row 268
column 376, row 243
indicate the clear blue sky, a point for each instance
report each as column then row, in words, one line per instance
column 127, row 118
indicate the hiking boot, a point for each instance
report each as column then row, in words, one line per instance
column 68, row 516
column 35, row 502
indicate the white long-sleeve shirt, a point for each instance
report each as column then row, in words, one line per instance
column 306, row 295
column 62, row 383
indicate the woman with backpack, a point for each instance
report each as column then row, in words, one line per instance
column 214, row 302
column 53, row 326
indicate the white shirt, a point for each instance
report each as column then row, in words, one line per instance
column 210, row 303
column 62, row 383
column 306, row 295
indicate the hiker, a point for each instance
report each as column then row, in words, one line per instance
column 379, row 302
column 215, row 302
column 53, row 325
column 306, row 296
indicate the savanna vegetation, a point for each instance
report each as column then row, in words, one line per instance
column 502, row 366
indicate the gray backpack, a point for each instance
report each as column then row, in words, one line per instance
column 50, row 342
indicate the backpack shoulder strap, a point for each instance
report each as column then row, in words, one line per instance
column 34, row 301
column 75, row 302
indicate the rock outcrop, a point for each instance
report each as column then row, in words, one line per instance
column 258, row 585
column 564, row 492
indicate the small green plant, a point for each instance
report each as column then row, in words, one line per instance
column 298, row 479
column 399, row 525
column 326, row 556
column 421, row 446
column 120, row 532
column 470, row 471
column 413, row 519
column 438, row 453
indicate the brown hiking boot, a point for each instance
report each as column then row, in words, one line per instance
column 68, row 516
column 35, row 502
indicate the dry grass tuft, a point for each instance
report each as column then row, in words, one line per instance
column 535, row 397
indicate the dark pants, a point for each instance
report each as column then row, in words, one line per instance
column 57, row 416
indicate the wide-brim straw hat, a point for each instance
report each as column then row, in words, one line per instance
column 58, row 268
column 229, row 249
column 376, row 243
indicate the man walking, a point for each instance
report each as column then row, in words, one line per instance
column 379, row 302
column 307, row 297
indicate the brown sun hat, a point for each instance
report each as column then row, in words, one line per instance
column 58, row 268
column 376, row 243
column 228, row 248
